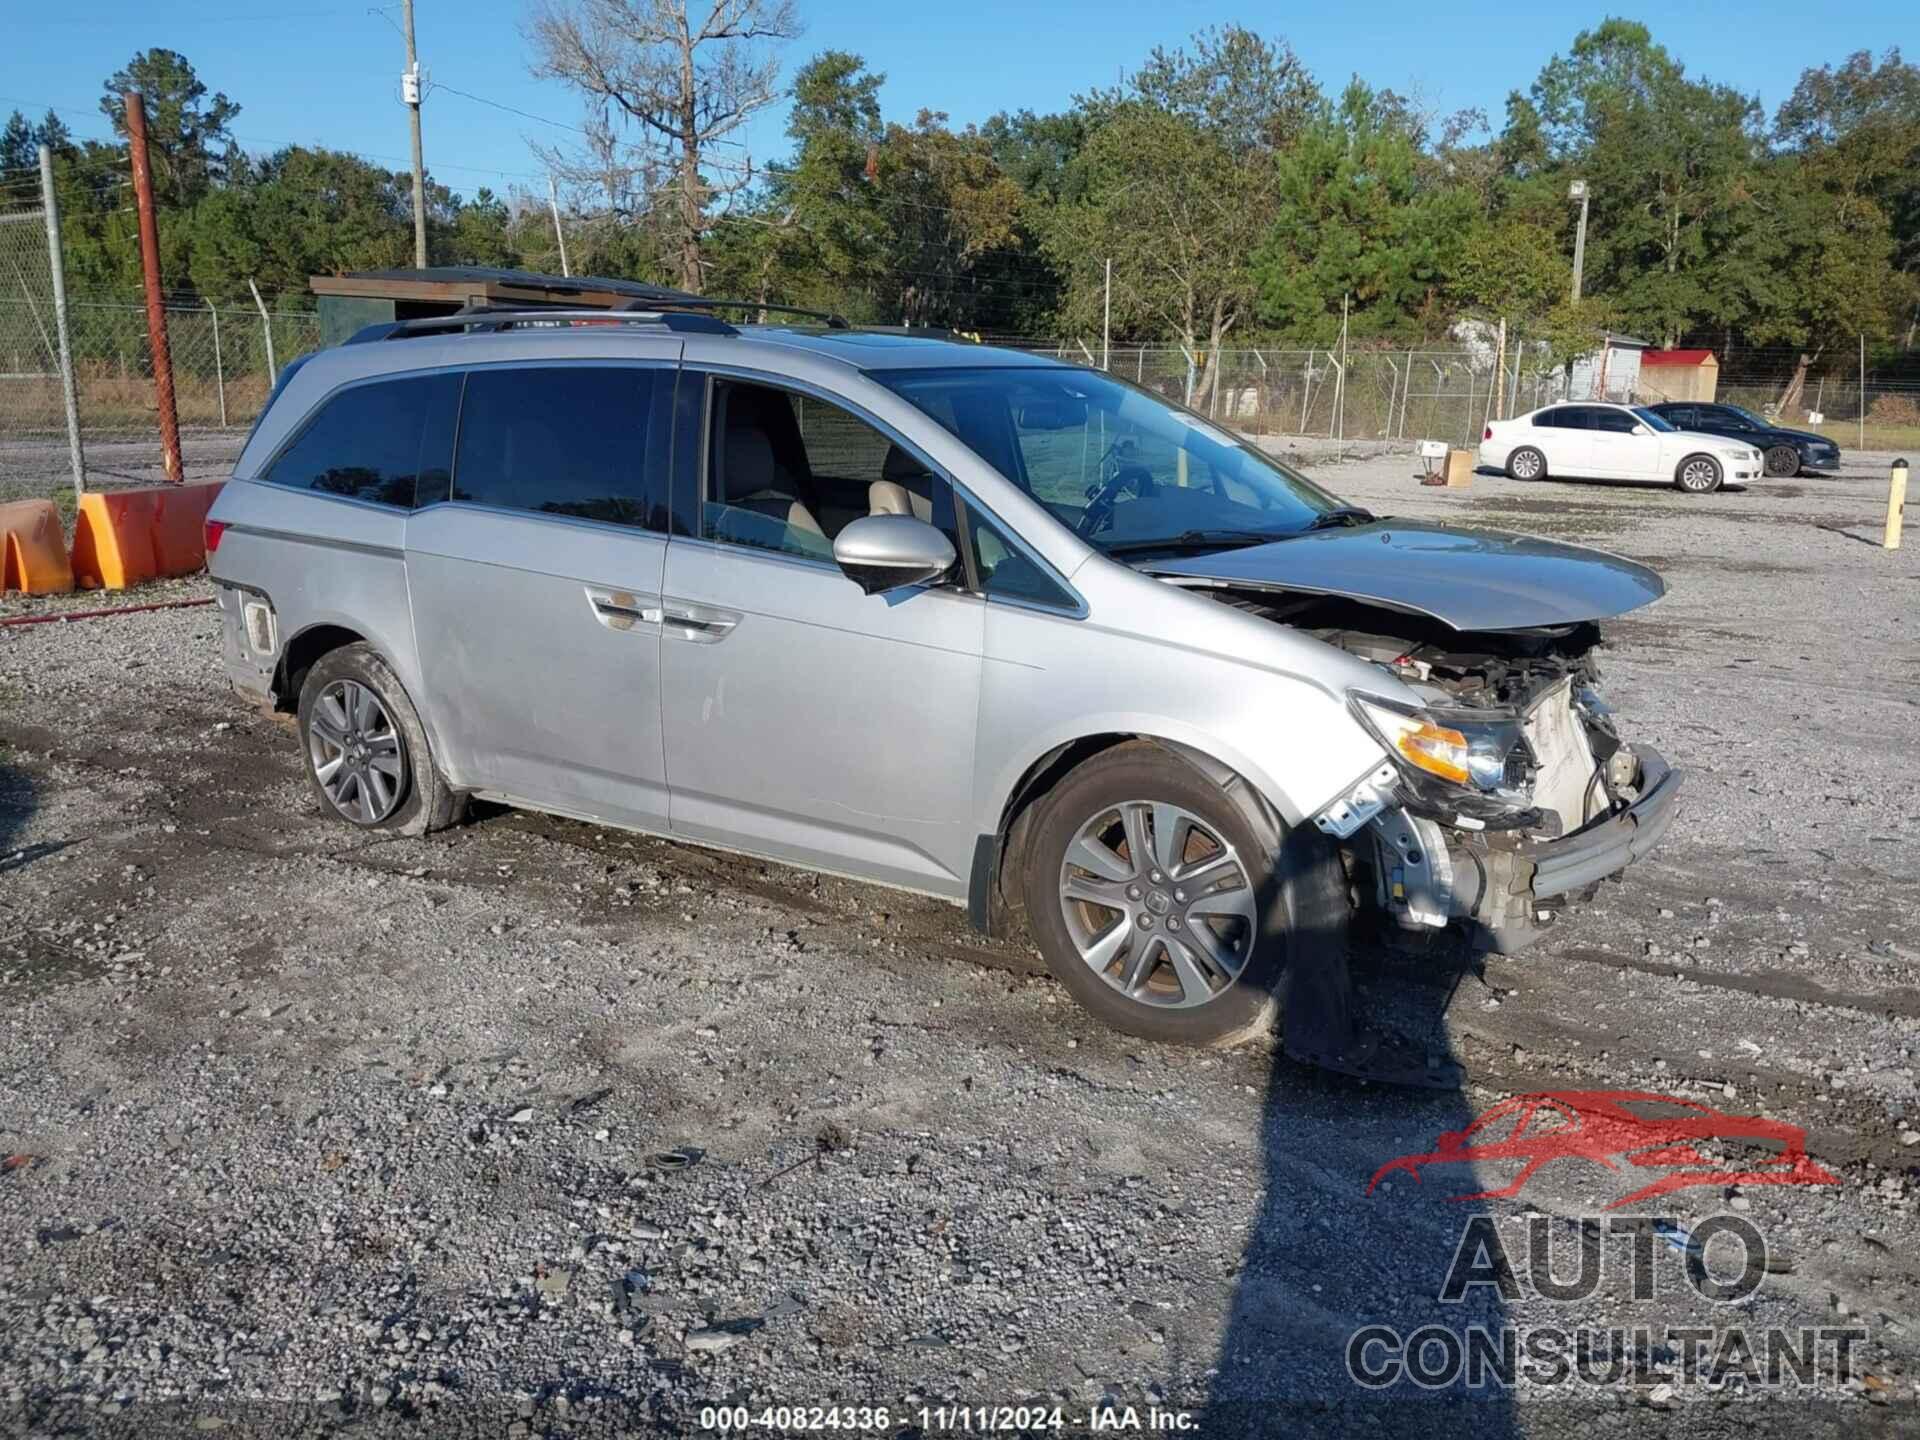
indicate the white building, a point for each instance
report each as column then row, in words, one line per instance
column 1610, row 373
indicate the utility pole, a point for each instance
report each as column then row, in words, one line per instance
column 1578, row 191
column 553, row 203
column 136, row 105
column 410, row 92
column 1106, row 321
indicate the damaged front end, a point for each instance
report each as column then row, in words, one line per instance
column 1507, row 786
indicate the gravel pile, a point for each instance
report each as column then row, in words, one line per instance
column 538, row 1128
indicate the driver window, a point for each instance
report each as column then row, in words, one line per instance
column 789, row 471
column 1614, row 422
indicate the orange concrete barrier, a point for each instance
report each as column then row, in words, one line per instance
column 35, row 549
column 123, row 537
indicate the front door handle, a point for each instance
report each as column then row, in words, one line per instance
column 702, row 624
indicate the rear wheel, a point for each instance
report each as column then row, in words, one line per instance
column 1157, row 901
column 1698, row 475
column 365, row 748
column 1783, row 460
column 1527, row 463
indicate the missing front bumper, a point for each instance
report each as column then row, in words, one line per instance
column 1505, row 895
column 1611, row 843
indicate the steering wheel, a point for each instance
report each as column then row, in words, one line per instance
column 1101, row 497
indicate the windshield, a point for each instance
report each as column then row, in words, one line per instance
column 1654, row 420
column 1118, row 465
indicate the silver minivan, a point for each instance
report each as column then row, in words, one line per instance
column 1012, row 633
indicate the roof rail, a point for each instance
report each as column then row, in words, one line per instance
column 701, row 302
column 494, row 318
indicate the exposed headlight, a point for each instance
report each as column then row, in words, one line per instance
column 1462, row 750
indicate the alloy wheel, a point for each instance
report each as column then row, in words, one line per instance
column 1158, row 904
column 1526, row 466
column 357, row 754
column 1699, row 475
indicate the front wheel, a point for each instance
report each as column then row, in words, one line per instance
column 1698, row 475
column 1783, row 460
column 1156, row 901
column 1527, row 463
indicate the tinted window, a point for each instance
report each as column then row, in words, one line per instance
column 1565, row 418
column 389, row 441
column 1005, row 572
column 1724, row 418
column 1614, row 422
column 564, row 440
column 1681, row 415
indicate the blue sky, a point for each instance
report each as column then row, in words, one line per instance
column 320, row 73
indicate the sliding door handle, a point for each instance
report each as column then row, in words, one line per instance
column 619, row 610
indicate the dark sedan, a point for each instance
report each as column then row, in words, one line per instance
column 1788, row 452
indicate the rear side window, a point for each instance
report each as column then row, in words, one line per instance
column 566, row 440
column 1561, row 419
column 389, row 441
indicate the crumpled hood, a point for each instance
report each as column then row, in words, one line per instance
column 1468, row 579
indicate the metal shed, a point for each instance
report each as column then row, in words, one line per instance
column 1611, row 372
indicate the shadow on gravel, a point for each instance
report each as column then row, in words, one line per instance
column 1334, row 1280
column 16, row 805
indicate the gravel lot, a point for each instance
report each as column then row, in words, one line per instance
column 534, row 1128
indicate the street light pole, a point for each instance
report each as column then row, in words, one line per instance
column 1578, row 191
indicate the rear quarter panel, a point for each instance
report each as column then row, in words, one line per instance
column 322, row 560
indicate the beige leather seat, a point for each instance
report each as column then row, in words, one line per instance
column 905, row 487
column 752, row 479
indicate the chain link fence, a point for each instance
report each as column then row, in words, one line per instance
column 34, row 448
column 1379, row 396
column 221, row 377
column 1399, row 397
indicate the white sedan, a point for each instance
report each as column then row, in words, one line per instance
column 1615, row 442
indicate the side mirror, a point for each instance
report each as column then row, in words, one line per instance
column 1640, row 428
column 889, row 552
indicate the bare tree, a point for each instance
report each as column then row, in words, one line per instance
column 664, row 90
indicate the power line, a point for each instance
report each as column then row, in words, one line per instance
column 510, row 109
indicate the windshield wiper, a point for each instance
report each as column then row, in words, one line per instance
column 1196, row 540
column 1344, row 515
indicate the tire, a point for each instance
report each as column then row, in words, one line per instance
column 1527, row 463
column 1698, row 475
column 403, row 796
column 1285, row 876
column 1783, row 460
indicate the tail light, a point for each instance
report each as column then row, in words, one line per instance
column 1487, row 435
column 215, row 529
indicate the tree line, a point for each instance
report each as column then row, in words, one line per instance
column 1218, row 195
